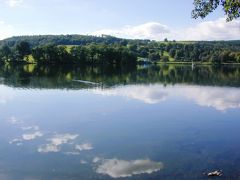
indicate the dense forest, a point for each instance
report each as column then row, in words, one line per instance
column 78, row 49
column 68, row 40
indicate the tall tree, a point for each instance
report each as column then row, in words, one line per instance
column 5, row 52
column 23, row 49
column 205, row 7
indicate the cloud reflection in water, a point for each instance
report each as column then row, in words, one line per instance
column 32, row 136
column 117, row 168
column 84, row 147
column 26, row 136
column 6, row 94
column 220, row 98
column 56, row 142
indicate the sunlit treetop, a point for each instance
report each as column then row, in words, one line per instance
column 205, row 7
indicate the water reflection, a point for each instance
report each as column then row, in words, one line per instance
column 14, row 121
column 32, row 136
column 117, row 168
column 146, row 123
column 154, row 83
column 29, row 132
column 150, row 94
column 55, row 143
column 5, row 94
column 220, row 98
column 68, row 77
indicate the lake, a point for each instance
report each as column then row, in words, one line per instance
column 152, row 122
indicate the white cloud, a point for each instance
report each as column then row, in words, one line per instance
column 150, row 94
column 14, row 3
column 26, row 137
column 84, row 147
column 80, row 147
column 83, row 162
column 56, row 142
column 14, row 121
column 72, row 153
column 220, row 98
column 150, row 30
column 217, row 29
column 208, row 30
column 60, row 139
column 214, row 30
column 26, row 128
column 49, row 148
column 32, row 136
column 117, row 168
column 16, row 140
column 96, row 159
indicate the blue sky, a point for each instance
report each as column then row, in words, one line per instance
column 153, row 19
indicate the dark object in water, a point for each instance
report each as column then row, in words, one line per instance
column 215, row 173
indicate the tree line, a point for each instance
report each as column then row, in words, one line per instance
column 111, row 50
column 92, row 54
column 40, row 40
column 212, row 52
column 216, row 53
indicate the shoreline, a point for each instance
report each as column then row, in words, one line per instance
column 188, row 63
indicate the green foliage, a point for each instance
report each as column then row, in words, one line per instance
column 41, row 40
column 205, row 7
column 215, row 52
column 170, row 58
column 165, row 58
column 79, row 53
column 154, row 56
column 118, row 51
column 51, row 54
column 5, row 53
column 89, row 54
column 55, row 77
column 23, row 49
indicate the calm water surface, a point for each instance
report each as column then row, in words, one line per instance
column 168, row 122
